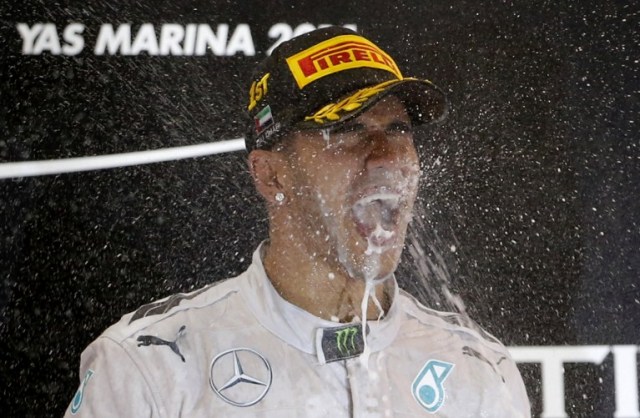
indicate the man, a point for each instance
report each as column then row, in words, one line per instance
column 316, row 326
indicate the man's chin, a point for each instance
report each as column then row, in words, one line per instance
column 376, row 265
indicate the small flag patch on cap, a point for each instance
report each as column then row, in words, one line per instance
column 263, row 119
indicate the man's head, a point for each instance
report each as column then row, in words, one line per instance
column 332, row 134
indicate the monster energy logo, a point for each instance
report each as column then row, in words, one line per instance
column 339, row 343
column 346, row 340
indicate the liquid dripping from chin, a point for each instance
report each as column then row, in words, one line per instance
column 371, row 271
column 366, row 352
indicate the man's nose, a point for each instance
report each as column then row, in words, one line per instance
column 382, row 153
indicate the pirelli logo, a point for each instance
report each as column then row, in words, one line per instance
column 338, row 54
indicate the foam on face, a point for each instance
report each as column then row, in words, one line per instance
column 326, row 135
column 378, row 235
column 378, row 208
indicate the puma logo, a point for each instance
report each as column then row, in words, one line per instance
column 146, row 340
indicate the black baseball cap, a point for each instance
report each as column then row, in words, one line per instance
column 325, row 77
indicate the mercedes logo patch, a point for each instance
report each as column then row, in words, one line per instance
column 240, row 376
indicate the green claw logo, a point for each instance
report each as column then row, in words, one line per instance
column 346, row 339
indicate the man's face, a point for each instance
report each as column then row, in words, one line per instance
column 353, row 189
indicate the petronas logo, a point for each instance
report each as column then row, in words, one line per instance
column 76, row 403
column 428, row 387
column 346, row 340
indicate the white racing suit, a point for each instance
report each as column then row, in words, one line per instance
column 238, row 349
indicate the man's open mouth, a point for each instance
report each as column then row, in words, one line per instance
column 377, row 216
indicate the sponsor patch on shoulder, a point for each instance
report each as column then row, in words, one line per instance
column 428, row 386
column 76, row 403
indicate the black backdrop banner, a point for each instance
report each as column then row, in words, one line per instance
column 529, row 210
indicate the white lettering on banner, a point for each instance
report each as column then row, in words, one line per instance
column 145, row 41
column 626, row 381
column 47, row 40
column 28, row 35
column 73, row 37
column 167, row 39
column 43, row 37
column 113, row 41
column 207, row 39
column 189, row 39
column 170, row 37
column 241, row 41
column 282, row 32
column 175, row 39
column 552, row 359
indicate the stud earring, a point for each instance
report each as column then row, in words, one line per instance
column 279, row 197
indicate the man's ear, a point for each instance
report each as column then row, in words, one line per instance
column 266, row 168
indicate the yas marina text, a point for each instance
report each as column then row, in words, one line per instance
column 168, row 39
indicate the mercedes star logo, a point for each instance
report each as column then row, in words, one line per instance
column 233, row 384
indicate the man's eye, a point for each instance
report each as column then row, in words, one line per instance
column 348, row 128
column 400, row 128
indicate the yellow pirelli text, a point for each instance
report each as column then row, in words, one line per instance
column 338, row 54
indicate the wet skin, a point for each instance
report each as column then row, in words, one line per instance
column 349, row 195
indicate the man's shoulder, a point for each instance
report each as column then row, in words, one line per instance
column 450, row 322
column 191, row 304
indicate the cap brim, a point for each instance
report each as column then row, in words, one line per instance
column 424, row 101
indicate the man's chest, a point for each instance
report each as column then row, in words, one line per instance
column 255, row 374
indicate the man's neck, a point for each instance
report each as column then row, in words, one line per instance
column 314, row 284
